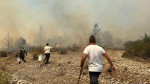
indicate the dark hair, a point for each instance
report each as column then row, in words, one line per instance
column 47, row 44
column 22, row 47
column 92, row 39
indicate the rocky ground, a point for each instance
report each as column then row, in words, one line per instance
column 64, row 69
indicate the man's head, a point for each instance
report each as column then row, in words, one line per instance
column 47, row 44
column 92, row 39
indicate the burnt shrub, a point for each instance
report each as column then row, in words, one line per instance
column 73, row 48
column 63, row 51
column 3, row 54
column 35, row 55
column 36, row 51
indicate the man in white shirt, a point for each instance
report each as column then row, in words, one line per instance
column 47, row 49
column 94, row 54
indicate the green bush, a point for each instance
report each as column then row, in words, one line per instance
column 3, row 54
column 139, row 48
column 4, row 78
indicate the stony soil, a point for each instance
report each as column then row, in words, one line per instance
column 64, row 69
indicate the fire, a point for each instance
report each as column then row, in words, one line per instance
column 57, row 45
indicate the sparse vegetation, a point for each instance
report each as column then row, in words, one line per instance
column 63, row 51
column 138, row 48
column 4, row 78
column 73, row 48
column 36, row 51
column 65, row 69
column 3, row 54
column 35, row 55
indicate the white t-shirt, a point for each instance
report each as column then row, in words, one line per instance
column 47, row 49
column 94, row 53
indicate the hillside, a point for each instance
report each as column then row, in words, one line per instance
column 64, row 69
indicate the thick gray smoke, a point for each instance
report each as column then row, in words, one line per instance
column 73, row 20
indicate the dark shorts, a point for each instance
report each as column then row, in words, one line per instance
column 94, row 77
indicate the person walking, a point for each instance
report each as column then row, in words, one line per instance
column 22, row 55
column 47, row 49
column 94, row 54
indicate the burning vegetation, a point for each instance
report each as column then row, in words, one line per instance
column 70, row 23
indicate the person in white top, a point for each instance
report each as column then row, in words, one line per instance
column 47, row 49
column 94, row 54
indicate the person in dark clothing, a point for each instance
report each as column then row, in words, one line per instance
column 22, row 54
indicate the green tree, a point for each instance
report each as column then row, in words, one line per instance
column 146, row 38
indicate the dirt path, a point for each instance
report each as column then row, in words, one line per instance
column 64, row 69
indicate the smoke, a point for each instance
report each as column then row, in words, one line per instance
column 73, row 20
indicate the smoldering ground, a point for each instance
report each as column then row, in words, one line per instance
column 73, row 20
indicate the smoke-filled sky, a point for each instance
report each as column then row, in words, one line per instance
column 125, row 19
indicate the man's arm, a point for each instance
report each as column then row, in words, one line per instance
column 109, row 60
column 83, row 48
column 43, row 51
column 57, row 45
column 82, row 61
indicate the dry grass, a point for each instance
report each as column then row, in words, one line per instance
column 4, row 77
column 35, row 52
column 35, row 55
column 63, row 51
column 73, row 48
column 64, row 69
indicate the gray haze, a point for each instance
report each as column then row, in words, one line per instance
column 73, row 19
